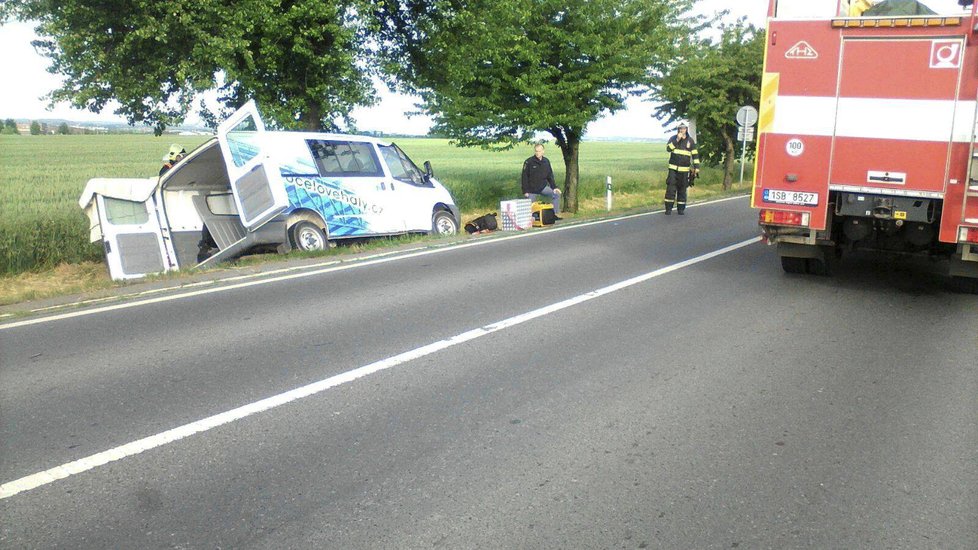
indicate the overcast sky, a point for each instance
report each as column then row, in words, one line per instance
column 20, row 96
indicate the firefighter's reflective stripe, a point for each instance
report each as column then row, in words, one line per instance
column 683, row 154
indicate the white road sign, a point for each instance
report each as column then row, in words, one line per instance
column 745, row 134
column 747, row 116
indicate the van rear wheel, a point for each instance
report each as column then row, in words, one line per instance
column 307, row 236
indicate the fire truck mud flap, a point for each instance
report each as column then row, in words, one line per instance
column 964, row 273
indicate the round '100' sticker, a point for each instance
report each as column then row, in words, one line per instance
column 795, row 147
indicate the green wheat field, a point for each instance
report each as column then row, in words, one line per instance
column 42, row 177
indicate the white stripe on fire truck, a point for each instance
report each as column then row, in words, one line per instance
column 898, row 119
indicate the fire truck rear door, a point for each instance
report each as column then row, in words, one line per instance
column 896, row 112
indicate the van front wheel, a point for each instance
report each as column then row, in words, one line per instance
column 443, row 223
column 307, row 236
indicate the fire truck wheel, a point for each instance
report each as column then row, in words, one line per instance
column 793, row 265
column 818, row 267
column 964, row 285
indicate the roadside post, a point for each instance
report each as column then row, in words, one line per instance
column 746, row 119
column 608, row 187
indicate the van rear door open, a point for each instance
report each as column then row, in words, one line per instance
column 256, row 182
column 131, row 237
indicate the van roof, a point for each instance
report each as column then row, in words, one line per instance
column 328, row 135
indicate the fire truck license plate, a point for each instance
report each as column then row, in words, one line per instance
column 791, row 197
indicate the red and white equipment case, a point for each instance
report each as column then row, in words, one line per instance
column 866, row 136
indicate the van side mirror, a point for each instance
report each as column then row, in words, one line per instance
column 427, row 168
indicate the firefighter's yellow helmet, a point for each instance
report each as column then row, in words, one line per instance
column 176, row 152
column 857, row 7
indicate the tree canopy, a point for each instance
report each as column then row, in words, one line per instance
column 496, row 72
column 302, row 60
column 708, row 81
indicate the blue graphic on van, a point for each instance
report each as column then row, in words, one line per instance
column 342, row 211
column 242, row 147
column 301, row 167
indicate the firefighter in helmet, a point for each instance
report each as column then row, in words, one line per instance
column 173, row 156
column 684, row 165
column 857, row 7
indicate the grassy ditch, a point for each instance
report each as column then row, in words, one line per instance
column 44, row 248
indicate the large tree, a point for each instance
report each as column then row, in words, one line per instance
column 708, row 81
column 497, row 72
column 302, row 60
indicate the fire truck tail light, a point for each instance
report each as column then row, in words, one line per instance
column 782, row 217
column 969, row 235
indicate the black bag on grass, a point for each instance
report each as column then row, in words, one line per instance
column 482, row 223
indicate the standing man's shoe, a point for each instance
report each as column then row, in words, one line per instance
column 681, row 212
column 668, row 212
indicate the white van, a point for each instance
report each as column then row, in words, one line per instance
column 249, row 188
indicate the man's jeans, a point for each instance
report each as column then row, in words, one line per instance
column 554, row 198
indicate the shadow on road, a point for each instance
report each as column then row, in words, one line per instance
column 910, row 275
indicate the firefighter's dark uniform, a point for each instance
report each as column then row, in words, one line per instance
column 683, row 158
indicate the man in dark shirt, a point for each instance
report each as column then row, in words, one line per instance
column 538, row 179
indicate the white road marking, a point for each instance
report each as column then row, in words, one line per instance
column 317, row 269
column 129, row 449
column 220, row 280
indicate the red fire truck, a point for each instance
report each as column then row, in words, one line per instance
column 866, row 134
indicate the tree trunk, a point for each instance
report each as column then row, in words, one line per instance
column 311, row 119
column 569, row 141
column 729, row 157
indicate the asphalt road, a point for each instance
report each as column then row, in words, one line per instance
column 718, row 403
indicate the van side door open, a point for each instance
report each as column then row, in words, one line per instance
column 256, row 182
